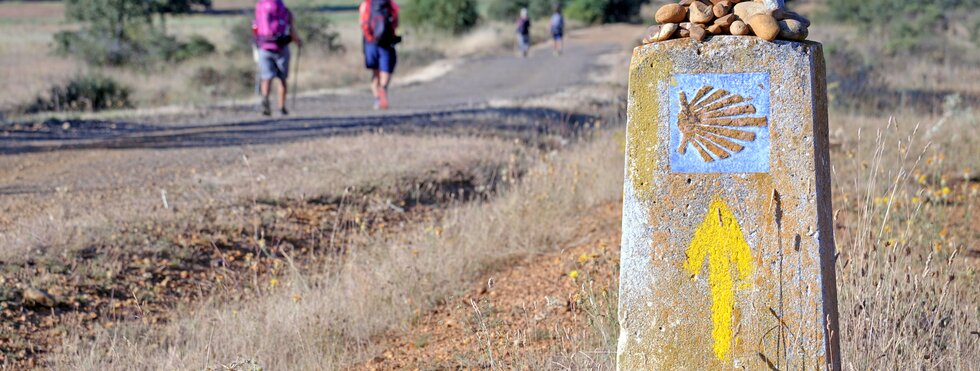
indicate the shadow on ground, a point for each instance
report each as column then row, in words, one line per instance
column 59, row 135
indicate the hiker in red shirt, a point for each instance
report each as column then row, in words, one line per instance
column 273, row 30
column 379, row 19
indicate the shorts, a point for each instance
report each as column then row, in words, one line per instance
column 273, row 64
column 556, row 36
column 523, row 42
column 378, row 57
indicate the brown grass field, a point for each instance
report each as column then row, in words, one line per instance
column 462, row 249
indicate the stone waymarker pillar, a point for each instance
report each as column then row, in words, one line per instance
column 728, row 249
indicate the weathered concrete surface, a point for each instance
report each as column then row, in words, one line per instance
column 728, row 253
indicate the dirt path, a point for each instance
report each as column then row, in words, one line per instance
column 550, row 311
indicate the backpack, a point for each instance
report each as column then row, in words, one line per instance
column 523, row 26
column 381, row 23
column 273, row 23
column 557, row 23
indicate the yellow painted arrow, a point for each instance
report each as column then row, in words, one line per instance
column 720, row 237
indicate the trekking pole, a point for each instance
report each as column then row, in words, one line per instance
column 299, row 52
column 258, row 77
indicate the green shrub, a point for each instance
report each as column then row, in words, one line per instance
column 589, row 11
column 905, row 25
column 140, row 50
column 197, row 46
column 84, row 93
column 507, row 10
column 231, row 80
column 596, row 11
column 122, row 32
column 455, row 16
column 317, row 31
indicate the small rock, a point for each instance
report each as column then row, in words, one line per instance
column 37, row 297
column 726, row 20
column 722, row 8
column 791, row 29
column 715, row 29
column 764, row 26
column 783, row 14
column 700, row 13
column 671, row 13
column 771, row 4
column 661, row 33
column 745, row 10
column 684, row 33
column 739, row 28
column 698, row 32
column 684, row 25
column 686, row 2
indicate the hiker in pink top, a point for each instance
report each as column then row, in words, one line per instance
column 273, row 30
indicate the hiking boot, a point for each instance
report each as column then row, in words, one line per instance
column 383, row 99
column 283, row 111
column 266, row 107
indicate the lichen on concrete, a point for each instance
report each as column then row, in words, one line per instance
column 780, row 310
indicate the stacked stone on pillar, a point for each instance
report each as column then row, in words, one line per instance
column 728, row 253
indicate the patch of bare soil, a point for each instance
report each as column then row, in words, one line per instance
column 164, row 267
column 539, row 312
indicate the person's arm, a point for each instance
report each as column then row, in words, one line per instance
column 394, row 14
column 363, row 15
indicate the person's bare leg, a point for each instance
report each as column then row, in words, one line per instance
column 264, row 89
column 282, row 94
column 375, row 83
column 383, row 79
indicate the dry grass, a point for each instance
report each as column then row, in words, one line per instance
column 100, row 195
column 325, row 322
column 906, row 232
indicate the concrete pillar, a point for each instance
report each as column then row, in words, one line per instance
column 728, row 250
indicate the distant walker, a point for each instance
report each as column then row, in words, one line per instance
column 273, row 31
column 379, row 22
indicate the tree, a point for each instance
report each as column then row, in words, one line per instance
column 119, row 32
column 596, row 11
column 456, row 16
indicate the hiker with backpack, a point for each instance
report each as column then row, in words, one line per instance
column 273, row 31
column 379, row 20
column 558, row 29
column 523, row 32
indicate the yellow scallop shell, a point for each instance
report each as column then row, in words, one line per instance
column 713, row 121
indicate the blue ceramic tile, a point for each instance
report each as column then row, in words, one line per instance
column 724, row 136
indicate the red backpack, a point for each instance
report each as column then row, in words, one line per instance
column 380, row 27
column 272, row 24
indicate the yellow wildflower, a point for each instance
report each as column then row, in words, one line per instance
column 273, row 282
column 583, row 258
column 922, row 179
column 573, row 274
column 946, row 191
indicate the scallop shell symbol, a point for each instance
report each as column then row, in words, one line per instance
column 713, row 122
